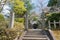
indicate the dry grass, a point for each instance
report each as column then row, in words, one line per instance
column 57, row 34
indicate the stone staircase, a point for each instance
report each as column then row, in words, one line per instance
column 34, row 34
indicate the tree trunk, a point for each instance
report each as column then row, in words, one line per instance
column 11, row 20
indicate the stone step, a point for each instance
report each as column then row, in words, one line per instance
column 36, row 36
column 34, row 29
column 29, row 38
column 34, row 33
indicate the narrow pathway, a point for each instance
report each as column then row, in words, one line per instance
column 34, row 34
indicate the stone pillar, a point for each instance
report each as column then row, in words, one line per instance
column 54, row 24
column 59, row 23
column 26, row 21
column 11, row 20
column 43, row 20
column 49, row 24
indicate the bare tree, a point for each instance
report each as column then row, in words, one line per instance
column 42, row 15
column 2, row 3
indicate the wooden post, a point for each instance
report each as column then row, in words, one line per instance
column 49, row 24
column 54, row 24
column 59, row 23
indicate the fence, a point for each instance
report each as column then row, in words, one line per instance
column 54, row 23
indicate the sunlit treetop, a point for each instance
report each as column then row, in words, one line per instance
column 18, row 7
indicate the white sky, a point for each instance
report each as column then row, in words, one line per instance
column 36, row 3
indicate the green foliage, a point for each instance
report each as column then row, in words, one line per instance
column 21, row 20
column 11, row 34
column 6, row 34
column 18, row 26
column 54, row 16
column 52, row 2
column 28, row 5
column 3, row 24
column 35, row 18
column 19, row 7
column 1, row 17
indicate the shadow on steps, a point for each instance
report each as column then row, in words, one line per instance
column 49, row 34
